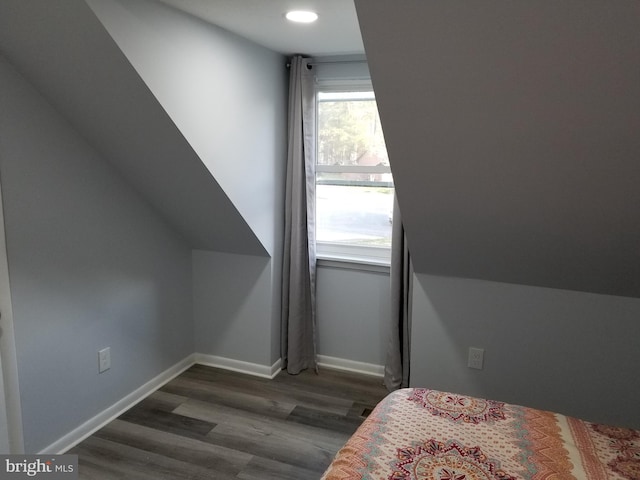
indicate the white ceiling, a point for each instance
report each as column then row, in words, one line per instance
column 335, row 33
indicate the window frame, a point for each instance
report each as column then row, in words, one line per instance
column 350, row 253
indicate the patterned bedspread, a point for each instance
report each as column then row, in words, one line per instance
column 419, row 434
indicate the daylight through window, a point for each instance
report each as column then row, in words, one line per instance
column 354, row 187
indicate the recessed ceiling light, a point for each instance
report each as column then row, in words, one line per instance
column 301, row 16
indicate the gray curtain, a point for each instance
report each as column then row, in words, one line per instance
column 298, row 342
column 396, row 370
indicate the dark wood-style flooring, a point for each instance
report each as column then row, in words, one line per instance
column 209, row 423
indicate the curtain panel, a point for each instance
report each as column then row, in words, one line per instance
column 298, row 329
column 396, row 370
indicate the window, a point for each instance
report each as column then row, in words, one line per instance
column 354, row 187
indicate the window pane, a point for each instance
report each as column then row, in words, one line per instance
column 354, row 194
column 354, row 215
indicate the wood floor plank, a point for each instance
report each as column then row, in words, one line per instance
column 164, row 401
column 212, row 423
column 203, row 454
column 327, row 420
column 261, row 425
column 275, row 445
column 345, row 385
column 144, row 414
column 115, row 461
column 266, row 469
column 287, row 392
column 219, row 395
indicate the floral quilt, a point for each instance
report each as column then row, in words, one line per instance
column 420, row 434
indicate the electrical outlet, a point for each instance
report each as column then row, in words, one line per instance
column 104, row 359
column 476, row 358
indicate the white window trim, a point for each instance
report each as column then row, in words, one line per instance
column 354, row 253
column 343, row 85
column 353, row 169
column 357, row 265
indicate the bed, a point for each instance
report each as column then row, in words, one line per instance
column 419, row 434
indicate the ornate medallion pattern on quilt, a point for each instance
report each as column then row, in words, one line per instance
column 450, row 461
column 458, row 407
column 624, row 442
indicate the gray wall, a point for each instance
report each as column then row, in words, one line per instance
column 91, row 265
column 576, row 353
column 352, row 314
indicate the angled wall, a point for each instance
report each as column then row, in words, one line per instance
column 91, row 265
column 64, row 50
column 512, row 129
column 226, row 94
column 228, row 97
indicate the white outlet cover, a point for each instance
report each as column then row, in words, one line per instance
column 104, row 360
column 476, row 358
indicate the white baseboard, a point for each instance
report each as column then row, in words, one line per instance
column 74, row 437
column 239, row 365
column 350, row 365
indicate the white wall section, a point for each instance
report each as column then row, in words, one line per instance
column 232, row 297
column 353, row 314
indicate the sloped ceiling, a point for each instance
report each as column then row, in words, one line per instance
column 206, row 80
column 66, row 53
column 514, row 135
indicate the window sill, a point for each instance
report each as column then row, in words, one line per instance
column 354, row 263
